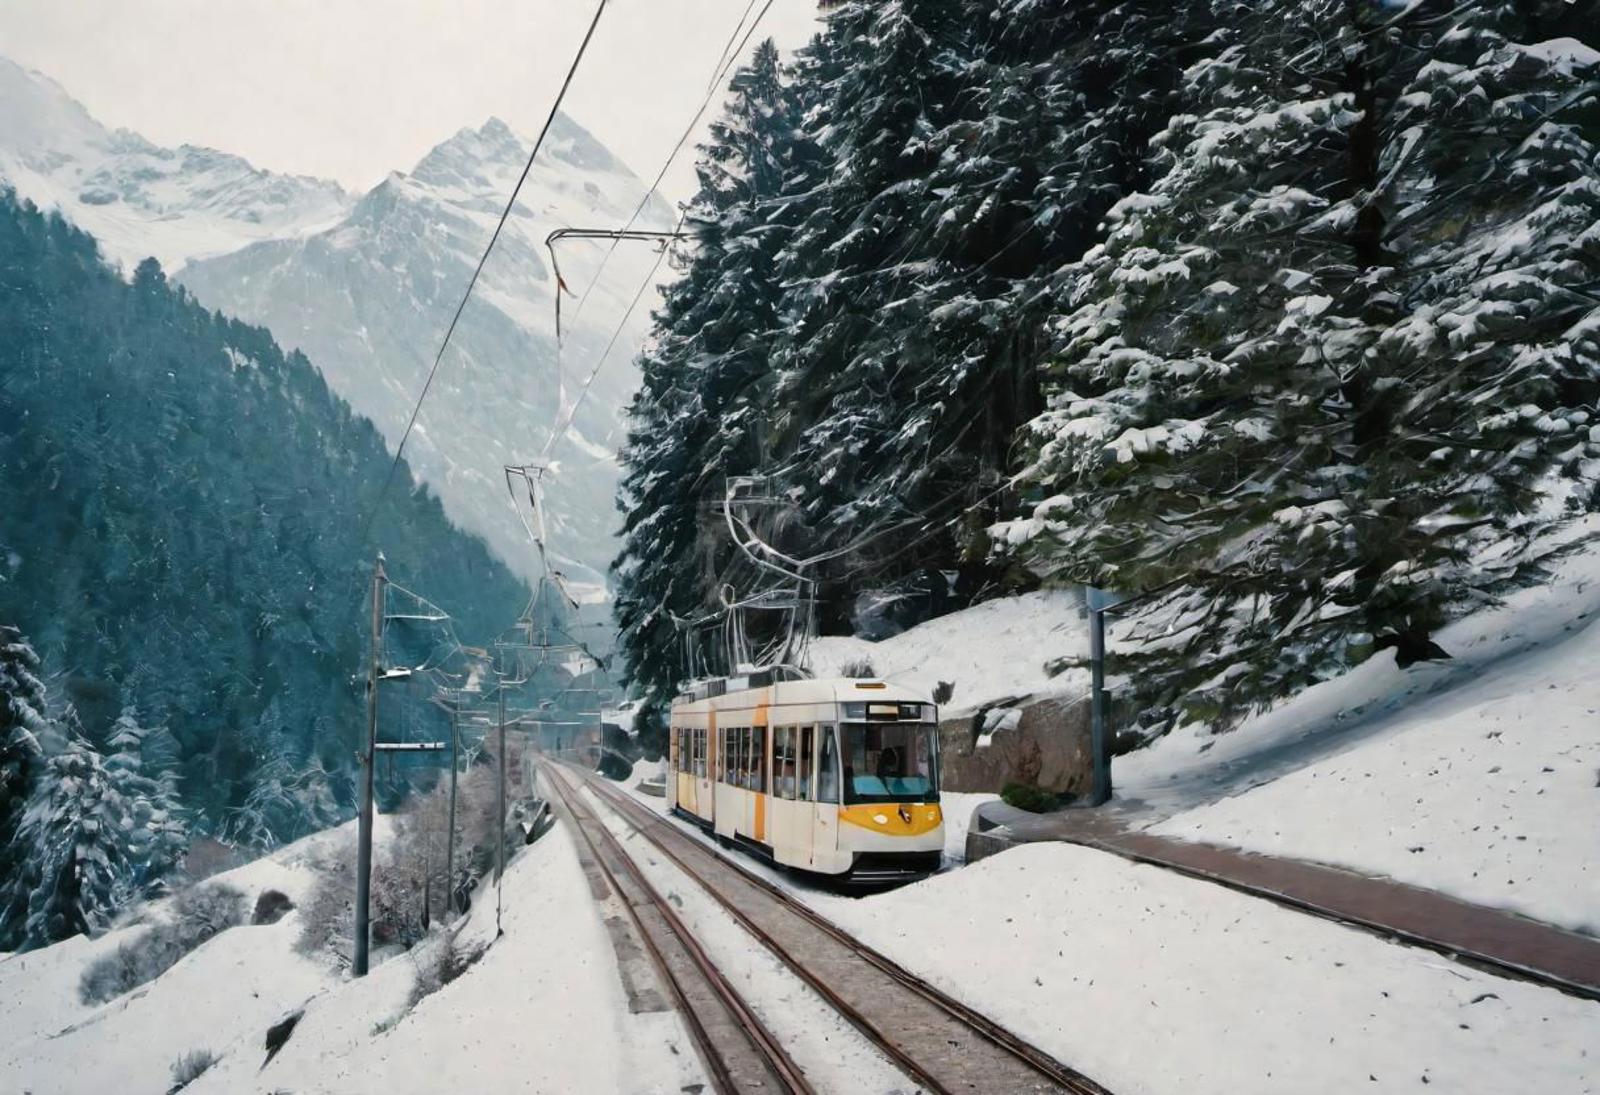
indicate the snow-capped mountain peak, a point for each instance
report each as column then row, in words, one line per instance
column 365, row 285
column 138, row 198
column 368, row 298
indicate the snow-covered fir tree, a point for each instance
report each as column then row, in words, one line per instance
column 864, row 325
column 70, row 853
column 140, row 765
column 24, row 718
column 703, row 406
column 1332, row 373
column 864, row 308
column 290, row 795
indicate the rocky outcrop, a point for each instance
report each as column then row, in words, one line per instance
column 1040, row 742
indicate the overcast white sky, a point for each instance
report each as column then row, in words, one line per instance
column 352, row 89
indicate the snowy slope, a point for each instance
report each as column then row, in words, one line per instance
column 1479, row 778
column 231, row 988
column 369, row 299
column 137, row 198
column 1152, row 982
column 1001, row 649
column 520, row 1018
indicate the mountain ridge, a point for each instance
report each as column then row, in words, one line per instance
column 365, row 284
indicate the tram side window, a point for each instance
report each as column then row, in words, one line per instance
column 828, row 766
column 700, row 753
column 783, row 748
column 803, row 764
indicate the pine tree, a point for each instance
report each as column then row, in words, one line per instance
column 701, row 413
column 155, row 831
column 23, row 708
column 289, row 796
column 23, row 724
column 71, row 859
column 893, row 284
column 136, row 424
column 1329, row 375
column 859, row 315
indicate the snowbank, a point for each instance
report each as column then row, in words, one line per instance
column 993, row 651
column 1475, row 777
column 646, row 771
column 525, row 1016
column 1152, row 982
column 1487, row 792
column 528, row 1016
column 958, row 807
column 227, row 991
column 39, row 989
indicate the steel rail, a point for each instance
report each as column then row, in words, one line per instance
column 777, row 1061
column 1056, row 1073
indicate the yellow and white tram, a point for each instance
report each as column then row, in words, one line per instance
column 839, row 777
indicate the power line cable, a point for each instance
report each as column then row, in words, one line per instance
column 724, row 63
column 505, row 215
column 560, row 430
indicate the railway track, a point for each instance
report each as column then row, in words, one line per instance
column 934, row 1038
column 739, row 1052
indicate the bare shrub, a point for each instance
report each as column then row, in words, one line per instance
column 198, row 914
column 327, row 918
column 202, row 911
column 857, row 668
column 396, row 910
column 190, row 1067
column 442, row 965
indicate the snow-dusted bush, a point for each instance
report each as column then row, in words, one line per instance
column 198, row 915
column 397, row 911
column 190, row 1067
column 1025, row 796
column 442, row 965
column 858, row 668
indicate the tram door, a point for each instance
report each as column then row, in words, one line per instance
column 791, row 808
column 674, row 733
column 825, row 792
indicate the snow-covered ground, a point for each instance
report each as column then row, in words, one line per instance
column 525, row 1017
column 645, row 771
column 1152, row 982
column 1478, row 777
column 519, row 1018
column 997, row 650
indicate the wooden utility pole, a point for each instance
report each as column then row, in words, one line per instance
column 450, row 836
column 358, row 965
column 500, row 797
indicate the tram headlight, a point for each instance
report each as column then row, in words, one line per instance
column 855, row 710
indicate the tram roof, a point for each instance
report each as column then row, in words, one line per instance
column 820, row 690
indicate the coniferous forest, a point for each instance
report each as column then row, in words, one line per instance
column 1281, row 318
column 184, row 574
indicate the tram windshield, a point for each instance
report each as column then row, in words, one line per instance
column 890, row 762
